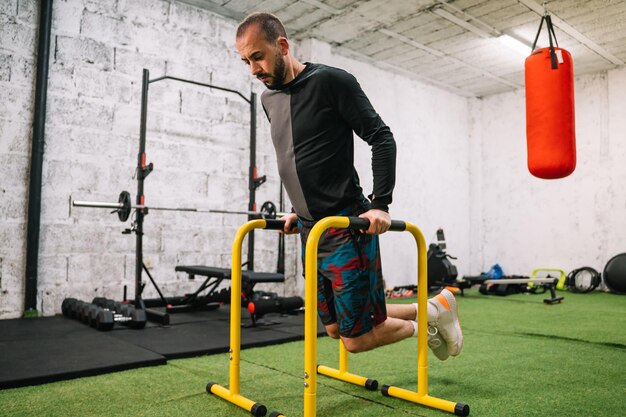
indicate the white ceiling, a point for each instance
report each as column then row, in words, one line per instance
column 453, row 44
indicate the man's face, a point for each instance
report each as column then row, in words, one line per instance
column 264, row 58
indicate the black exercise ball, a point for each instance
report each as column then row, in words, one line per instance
column 615, row 274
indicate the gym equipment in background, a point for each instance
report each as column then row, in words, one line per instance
column 494, row 282
column 206, row 297
column 562, row 276
column 232, row 393
column 215, row 276
column 550, row 129
column 124, row 208
column 615, row 274
column 467, row 281
column 262, row 303
column 103, row 313
column 441, row 272
column 582, row 280
column 508, row 286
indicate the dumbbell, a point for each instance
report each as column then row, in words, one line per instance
column 67, row 306
column 79, row 311
column 104, row 303
column 73, row 308
column 105, row 318
column 84, row 311
column 123, row 308
column 120, row 308
column 88, row 313
column 120, row 311
column 99, row 301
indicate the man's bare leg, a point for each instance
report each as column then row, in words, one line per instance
column 402, row 311
column 401, row 324
column 390, row 331
column 398, row 326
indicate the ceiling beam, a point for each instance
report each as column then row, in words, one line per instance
column 322, row 6
column 460, row 22
column 404, row 72
column 565, row 27
column 411, row 42
column 470, row 18
column 215, row 8
column 440, row 54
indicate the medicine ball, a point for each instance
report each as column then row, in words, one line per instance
column 615, row 274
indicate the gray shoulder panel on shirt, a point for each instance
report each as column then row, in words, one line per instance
column 277, row 104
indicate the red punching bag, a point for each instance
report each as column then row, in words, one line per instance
column 550, row 131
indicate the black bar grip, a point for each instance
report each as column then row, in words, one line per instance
column 397, row 226
column 358, row 223
column 355, row 223
column 362, row 223
column 272, row 224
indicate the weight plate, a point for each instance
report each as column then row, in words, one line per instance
column 124, row 212
column 268, row 210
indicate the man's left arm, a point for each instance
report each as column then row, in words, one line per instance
column 356, row 109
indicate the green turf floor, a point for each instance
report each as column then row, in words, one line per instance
column 521, row 358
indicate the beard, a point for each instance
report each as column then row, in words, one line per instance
column 278, row 74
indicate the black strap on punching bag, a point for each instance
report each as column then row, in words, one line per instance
column 551, row 34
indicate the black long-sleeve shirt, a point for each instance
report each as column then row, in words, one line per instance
column 312, row 119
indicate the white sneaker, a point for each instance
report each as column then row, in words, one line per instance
column 444, row 316
column 437, row 344
column 435, row 341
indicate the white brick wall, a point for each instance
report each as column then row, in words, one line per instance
column 17, row 44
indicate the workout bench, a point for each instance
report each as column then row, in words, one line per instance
column 214, row 277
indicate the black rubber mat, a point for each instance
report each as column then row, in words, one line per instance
column 201, row 333
column 42, row 350
column 38, row 351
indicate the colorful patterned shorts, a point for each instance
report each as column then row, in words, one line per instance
column 350, row 288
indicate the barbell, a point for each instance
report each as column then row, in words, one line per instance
column 124, row 206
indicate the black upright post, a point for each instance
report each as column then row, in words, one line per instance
column 252, row 183
column 280, row 264
column 36, row 165
column 142, row 171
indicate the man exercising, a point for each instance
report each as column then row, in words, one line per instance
column 313, row 110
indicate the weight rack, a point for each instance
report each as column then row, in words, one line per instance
column 140, row 209
column 144, row 169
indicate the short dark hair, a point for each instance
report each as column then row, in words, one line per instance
column 271, row 26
